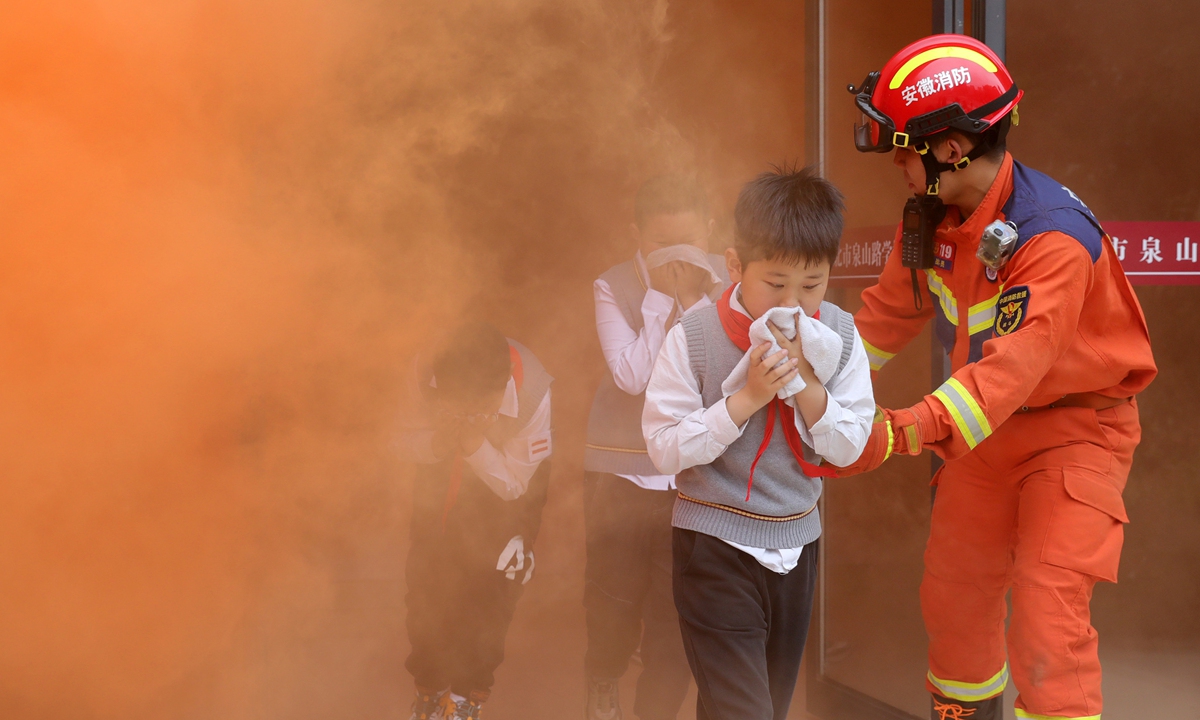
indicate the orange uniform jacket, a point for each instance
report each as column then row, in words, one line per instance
column 1059, row 318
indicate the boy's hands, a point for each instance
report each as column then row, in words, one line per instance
column 795, row 350
column 464, row 433
column 472, row 431
column 684, row 281
column 664, row 279
column 812, row 401
column 763, row 381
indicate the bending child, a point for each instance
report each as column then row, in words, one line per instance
column 749, row 464
column 477, row 506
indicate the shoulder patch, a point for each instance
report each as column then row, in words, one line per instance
column 1011, row 309
column 538, row 447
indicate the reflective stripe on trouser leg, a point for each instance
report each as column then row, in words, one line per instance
column 971, row 692
column 1022, row 714
column 967, row 565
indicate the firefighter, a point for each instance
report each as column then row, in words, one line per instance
column 1038, row 421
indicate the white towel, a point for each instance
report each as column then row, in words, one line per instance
column 685, row 253
column 821, row 346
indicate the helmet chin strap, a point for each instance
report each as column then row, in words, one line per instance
column 934, row 168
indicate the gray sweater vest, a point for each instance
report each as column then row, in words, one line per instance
column 614, row 435
column 782, row 510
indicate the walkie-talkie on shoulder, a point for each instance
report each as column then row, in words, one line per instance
column 922, row 215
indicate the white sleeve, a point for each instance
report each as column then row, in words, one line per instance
column 680, row 432
column 630, row 355
column 507, row 473
column 842, row 432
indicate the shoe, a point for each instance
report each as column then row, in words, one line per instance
column 946, row 709
column 429, row 705
column 603, row 699
column 463, row 709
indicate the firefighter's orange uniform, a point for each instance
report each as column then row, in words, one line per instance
column 1028, row 499
column 1037, row 425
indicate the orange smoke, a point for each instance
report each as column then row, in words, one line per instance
column 225, row 229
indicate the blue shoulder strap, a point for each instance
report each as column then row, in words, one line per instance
column 1040, row 204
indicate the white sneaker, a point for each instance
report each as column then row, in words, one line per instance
column 603, row 699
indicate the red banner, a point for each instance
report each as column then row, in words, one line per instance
column 1152, row 253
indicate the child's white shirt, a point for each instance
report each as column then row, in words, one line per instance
column 630, row 354
column 681, row 433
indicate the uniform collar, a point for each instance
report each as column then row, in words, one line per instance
column 970, row 230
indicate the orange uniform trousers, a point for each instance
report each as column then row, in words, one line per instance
column 1035, row 508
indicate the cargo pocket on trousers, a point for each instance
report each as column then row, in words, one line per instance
column 1087, row 527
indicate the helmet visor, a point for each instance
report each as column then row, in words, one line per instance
column 870, row 136
column 875, row 131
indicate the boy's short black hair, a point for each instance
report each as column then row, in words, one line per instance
column 667, row 195
column 475, row 361
column 788, row 215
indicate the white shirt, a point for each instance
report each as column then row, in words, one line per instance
column 508, row 471
column 682, row 433
column 630, row 355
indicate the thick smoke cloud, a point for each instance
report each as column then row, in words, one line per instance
column 226, row 227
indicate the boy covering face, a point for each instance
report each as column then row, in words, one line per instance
column 482, row 445
column 749, row 464
column 628, row 501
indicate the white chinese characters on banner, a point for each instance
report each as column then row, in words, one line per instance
column 869, row 254
column 1151, row 250
column 935, row 83
column 1185, row 251
column 1144, row 249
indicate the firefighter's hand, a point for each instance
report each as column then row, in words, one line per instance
column 894, row 432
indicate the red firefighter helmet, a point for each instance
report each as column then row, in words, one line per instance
column 935, row 84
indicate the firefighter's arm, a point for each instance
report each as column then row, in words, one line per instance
column 1036, row 319
column 889, row 318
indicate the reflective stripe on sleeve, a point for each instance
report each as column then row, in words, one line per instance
column 982, row 316
column 1023, row 714
column 972, row 692
column 967, row 414
column 945, row 297
column 875, row 356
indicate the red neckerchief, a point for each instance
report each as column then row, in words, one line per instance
column 456, row 466
column 737, row 329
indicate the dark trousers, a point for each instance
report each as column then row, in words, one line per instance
column 628, row 592
column 459, row 605
column 743, row 625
